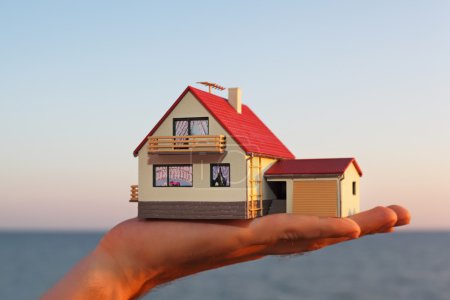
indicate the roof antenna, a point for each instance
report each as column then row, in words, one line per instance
column 211, row 85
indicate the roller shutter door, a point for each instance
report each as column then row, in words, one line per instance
column 315, row 197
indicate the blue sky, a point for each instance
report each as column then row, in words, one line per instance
column 82, row 82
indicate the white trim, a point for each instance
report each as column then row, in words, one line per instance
column 311, row 179
column 339, row 196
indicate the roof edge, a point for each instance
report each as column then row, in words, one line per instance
column 355, row 164
column 172, row 107
column 263, row 155
column 312, row 175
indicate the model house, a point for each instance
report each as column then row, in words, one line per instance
column 212, row 158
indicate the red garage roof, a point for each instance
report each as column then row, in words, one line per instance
column 317, row 166
column 246, row 128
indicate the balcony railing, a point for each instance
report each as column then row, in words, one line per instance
column 134, row 193
column 186, row 143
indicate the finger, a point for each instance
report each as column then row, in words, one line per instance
column 403, row 215
column 287, row 247
column 274, row 228
column 301, row 246
column 376, row 220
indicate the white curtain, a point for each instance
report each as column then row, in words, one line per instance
column 199, row 127
column 161, row 176
column 180, row 175
column 225, row 170
column 181, row 128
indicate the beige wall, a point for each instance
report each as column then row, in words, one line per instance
column 266, row 163
column 201, row 191
column 349, row 202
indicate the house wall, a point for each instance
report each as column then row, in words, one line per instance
column 266, row 163
column 350, row 204
column 201, row 191
column 316, row 197
column 267, row 193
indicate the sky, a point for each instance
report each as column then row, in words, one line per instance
column 82, row 82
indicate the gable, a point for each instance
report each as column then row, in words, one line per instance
column 189, row 107
column 353, row 171
column 246, row 129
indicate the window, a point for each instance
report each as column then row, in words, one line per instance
column 354, row 187
column 191, row 126
column 220, row 175
column 172, row 175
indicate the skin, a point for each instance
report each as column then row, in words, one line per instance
column 136, row 256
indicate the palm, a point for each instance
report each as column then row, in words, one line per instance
column 166, row 250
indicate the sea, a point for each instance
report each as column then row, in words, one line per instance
column 404, row 265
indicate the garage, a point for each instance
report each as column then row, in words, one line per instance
column 325, row 187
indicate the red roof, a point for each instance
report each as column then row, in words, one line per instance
column 312, row 166
column 246, row 128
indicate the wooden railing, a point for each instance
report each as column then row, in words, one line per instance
column 187, row 143
column 134, row 197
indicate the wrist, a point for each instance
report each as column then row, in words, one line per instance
column 97, row 276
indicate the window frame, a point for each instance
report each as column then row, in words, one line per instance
column 168, row 176
column 211, row 174
column 189, row 123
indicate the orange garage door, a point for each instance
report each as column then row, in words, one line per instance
column 315, row 197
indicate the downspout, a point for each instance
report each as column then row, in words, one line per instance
column 340, row 178
column 246, row 182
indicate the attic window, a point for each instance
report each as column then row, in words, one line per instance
column 190, row 126
column 354, row 187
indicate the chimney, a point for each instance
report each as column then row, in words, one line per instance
column 235, row 99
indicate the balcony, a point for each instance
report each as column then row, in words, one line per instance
column 134, row 193
column 186, row 144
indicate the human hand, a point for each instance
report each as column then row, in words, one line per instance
column 137, row 255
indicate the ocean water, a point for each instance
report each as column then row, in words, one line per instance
column 407, row 265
